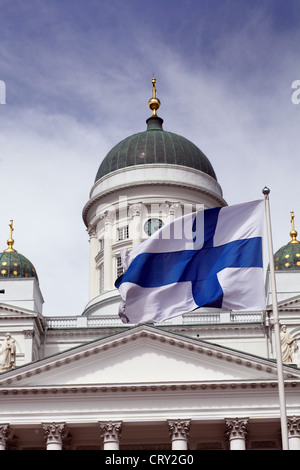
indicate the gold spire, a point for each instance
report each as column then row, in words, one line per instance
column 154, row 103
column 293, row 232
column 10, row 241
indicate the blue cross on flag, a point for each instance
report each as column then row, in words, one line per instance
column 210, row 258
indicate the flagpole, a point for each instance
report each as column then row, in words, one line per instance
column 282, row 402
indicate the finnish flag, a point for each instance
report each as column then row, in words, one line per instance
column 210, row 258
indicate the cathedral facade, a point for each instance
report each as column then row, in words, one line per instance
column 205, row 380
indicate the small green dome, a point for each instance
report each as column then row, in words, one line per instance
column 155, row 146
column 287, row 258
column 14, row 265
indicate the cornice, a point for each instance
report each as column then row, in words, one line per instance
column 186, row 329
column 17, row 314
column 23, row 312
column 142, row 388
column 99, row 332
column 150, row 166
column 285, row 304
column 95, row 199
column 183, row 329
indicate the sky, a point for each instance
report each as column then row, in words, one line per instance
column 75, row 79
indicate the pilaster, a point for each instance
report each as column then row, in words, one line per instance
column 93, row 271
column 29, row 336
column 107, row 259
column 135, row 212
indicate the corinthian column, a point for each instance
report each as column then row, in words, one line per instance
column 54, row 435
column 237, row 432
column 111, row 434
column 4, row 433
column 179, row 433
column 294, row 433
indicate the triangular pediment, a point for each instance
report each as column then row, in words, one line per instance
column 144, row 355
column 7, row 310
column 290, row 303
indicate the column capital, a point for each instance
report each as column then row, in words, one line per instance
column 135, row 210
column 29, row 334
column 92, row 232
column 109, row 217
column 54, row 432
column 175, row 208
column 237, row 428
column 293, row 425
column 179, row 429
column 5, row 431
column 111, row 431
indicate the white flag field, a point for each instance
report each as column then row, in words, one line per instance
column 210, row 258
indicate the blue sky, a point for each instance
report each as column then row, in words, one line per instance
column 78, row 79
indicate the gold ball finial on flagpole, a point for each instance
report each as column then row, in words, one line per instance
column 154, row 103
column 293, row 232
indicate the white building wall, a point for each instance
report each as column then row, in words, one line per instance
column 23, row 293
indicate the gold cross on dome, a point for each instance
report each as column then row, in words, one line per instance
column 293, row 232
column 154, row 103
column 10, row 241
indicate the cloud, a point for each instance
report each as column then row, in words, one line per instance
column 78, row 81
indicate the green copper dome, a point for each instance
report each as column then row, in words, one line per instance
column 13, row 264
column 287, row 258
column 155, row 146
